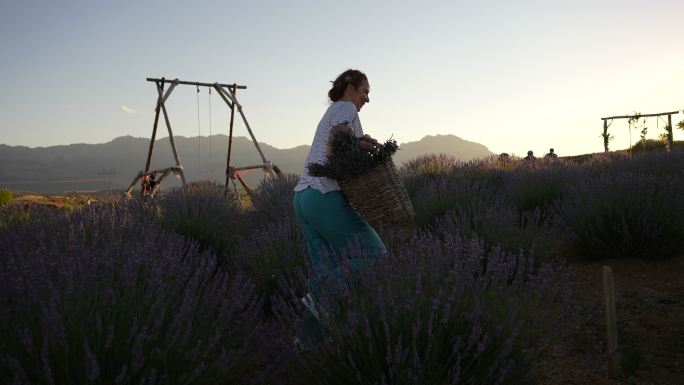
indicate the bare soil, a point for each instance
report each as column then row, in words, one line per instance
column 650, row 318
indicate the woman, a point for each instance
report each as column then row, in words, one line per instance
column 329, row 223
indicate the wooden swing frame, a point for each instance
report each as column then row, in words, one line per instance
column 606, row 136
column 227, row 93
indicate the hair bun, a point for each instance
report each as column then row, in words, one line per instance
column 347, row 77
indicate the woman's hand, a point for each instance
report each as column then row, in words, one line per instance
column 368, row 138
column 367, row 143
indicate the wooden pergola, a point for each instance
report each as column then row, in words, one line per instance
column 150, row 179
column 668, row 128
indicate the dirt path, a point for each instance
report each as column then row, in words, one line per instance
column 650, row 312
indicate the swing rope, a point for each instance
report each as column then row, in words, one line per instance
column 199, row 137
column 210, row 173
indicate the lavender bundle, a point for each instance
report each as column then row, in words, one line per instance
column 351, row 156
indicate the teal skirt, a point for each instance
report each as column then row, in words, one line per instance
column 333, row 229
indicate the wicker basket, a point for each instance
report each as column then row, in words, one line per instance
column 379, row 196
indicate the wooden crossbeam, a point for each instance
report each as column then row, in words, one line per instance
column 640, row 115
column 164, row 80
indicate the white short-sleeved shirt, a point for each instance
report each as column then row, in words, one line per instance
column 338, row 112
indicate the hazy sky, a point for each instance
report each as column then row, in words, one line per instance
column 512, row 75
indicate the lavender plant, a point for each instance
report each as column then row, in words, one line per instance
column 650, row 163
column 434, row 164
column 19, row 214
column 272, row 244
column 104, row 297
column 424, row 169
column 625, row 215
column 445, row 192
column 535, row 186
column 132, row 292
column 486, row 207
column 497, row 225
column 351, row 156
column 431, row 315
column 200, row 212
column 273, row 197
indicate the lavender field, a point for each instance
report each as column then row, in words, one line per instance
column 194, row 288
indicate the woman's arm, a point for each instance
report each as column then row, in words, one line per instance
column 366, row 142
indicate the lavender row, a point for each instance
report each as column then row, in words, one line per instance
column 194, row 288
column 104, row 296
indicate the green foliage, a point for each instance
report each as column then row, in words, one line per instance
column 635, row 123
column 649, row 145
column 607, row 137
column 6, row 197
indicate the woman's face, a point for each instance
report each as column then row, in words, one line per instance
column 358, row 96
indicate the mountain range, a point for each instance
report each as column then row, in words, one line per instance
column 113, row 165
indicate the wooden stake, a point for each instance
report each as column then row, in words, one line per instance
column 611, row 322
column 670, row 139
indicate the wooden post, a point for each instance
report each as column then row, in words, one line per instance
column 611, row 322
column 267, row 164
column 160, row 90
column 173, row 145
column 670, row 139
column 605, row 135
column 160, row 103
column 230, row 138
column 132, row 185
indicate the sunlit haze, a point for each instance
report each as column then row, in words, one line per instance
column 512, row 75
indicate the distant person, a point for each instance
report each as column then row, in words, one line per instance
column 530, row 155
column 504, row 158
column 144, row 184
column 551, row 155
column 153, row 183
column 149, row 184
column 326, row 218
